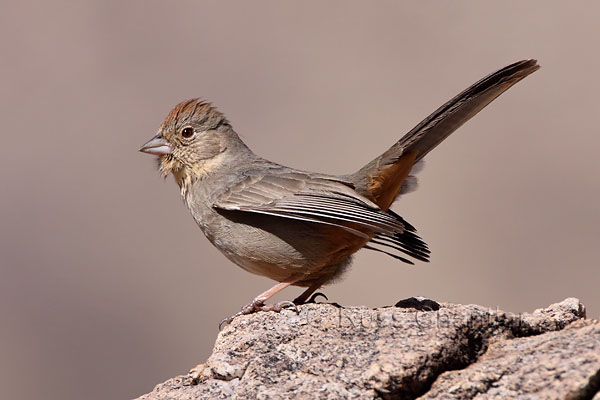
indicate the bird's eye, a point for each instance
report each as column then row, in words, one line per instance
column 187, row 132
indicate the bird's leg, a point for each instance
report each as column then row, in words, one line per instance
column 310, row 290
column 306, row 297
column 258, row 304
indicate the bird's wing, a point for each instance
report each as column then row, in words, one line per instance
column 307, row 197
column 323, row 200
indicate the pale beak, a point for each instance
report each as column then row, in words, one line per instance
column 157, row 146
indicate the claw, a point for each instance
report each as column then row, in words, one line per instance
column 278, row 307
column 254, row 305
column 313, row 298
column 224, row 322
column 259, row 305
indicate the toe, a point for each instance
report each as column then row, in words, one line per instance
column 278, row 307
column 224, row 322
column 315, row 296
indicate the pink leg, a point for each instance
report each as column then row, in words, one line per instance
column 267, row 294
column 258, row 303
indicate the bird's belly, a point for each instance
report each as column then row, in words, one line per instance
column 278, row 248
column 276, row 272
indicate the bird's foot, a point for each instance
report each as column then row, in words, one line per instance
column 313, row 300
column 278, row 307
column 258, row 304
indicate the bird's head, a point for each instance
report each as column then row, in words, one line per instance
column 190, row 140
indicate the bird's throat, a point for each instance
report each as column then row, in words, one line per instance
column 186, row 176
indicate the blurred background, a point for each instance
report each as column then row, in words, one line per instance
column 107, row 285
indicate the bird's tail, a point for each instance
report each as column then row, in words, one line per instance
column 382, row 179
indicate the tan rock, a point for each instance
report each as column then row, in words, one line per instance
column 456, row 352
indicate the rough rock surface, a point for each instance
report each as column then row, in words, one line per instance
column 456, row 352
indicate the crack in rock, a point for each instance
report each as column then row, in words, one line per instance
column 561, row 364
column 472, row 340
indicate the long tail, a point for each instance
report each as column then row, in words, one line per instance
column 381, row 179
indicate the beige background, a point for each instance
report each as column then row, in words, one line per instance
column 108, row 287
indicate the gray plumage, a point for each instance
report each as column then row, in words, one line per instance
column 301, row 227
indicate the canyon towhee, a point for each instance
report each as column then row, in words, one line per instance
column 296, row 227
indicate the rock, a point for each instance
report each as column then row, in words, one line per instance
column 456, row 352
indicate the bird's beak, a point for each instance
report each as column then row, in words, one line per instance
column 157, row 146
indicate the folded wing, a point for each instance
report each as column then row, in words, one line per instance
column 323, row 200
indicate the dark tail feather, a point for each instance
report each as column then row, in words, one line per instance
column 442, row 122
column 406, row 260
column 381, row 180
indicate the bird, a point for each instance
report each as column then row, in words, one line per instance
column 296, row 227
